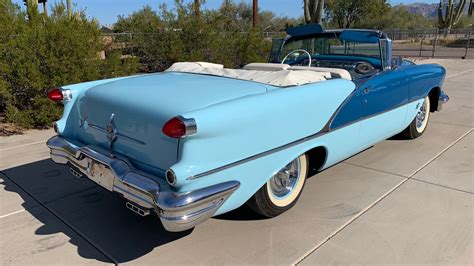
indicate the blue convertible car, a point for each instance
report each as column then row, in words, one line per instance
column 200, row 140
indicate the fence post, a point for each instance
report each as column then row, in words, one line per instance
column 468, row 43
column 421, row 45
column 434, row 43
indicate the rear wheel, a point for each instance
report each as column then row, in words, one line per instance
column 283, row 189
column 419, row 124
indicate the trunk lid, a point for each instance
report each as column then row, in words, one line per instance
column 142, row 104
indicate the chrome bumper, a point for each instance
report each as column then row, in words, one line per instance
column 443, row 98
column 178, row 212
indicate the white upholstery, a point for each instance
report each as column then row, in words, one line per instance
column 266, row 66
column 280, row 78
column 206, row 64
column 335, row 72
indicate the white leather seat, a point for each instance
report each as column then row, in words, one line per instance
column 266, row 66
column 273, row 74
column 335, row 72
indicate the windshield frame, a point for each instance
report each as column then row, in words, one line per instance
column 383, row 40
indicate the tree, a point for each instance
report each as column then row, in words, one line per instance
column 469, row 10
column 68, row 8
column 451, row 15
column 255, row 13
column 197, row 6
column 313, row 11
column 347, row 13
column 139, row 21
column 397, row 17
column 39, row 53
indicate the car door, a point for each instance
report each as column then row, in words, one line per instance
column 383, row 104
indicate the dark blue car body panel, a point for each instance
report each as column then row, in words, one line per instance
column 387, row 90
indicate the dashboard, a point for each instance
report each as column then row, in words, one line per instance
column 357, row 69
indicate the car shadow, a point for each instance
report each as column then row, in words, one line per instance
column 243, row 213
column 94, row 213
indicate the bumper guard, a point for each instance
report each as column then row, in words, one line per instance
column 443, row 98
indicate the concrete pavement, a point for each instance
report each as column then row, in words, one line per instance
column 404, row 202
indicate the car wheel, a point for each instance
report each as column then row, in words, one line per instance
column 418, row 126
column 283, row 189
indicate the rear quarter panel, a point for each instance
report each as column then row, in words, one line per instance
column 231, row 131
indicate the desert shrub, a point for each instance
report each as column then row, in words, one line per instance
column 38, row 53
column 222, row 36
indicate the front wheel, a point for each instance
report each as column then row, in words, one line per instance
column 418, row 126
column 283, row 189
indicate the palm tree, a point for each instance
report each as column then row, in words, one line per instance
column 197, row 6
column 35, row 4
column 313, row 11
column 68, row 8
column 469, row 11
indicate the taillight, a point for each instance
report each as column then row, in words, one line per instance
column 180, row 127
column 55, row 95
column 59, row 95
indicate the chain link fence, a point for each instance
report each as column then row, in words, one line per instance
column 433, row 43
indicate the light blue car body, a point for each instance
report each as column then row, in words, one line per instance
column 246, row 131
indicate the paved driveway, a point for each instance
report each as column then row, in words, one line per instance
column 399, row 202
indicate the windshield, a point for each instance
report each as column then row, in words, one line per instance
column 322, row 46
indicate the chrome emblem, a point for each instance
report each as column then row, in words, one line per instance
column 111, row 130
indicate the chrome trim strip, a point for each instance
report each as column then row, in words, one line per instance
column 322, row 132
column 177, row 211
column 259, row 155
column 96, row 127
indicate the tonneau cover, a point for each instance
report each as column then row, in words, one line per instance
column 280, row 78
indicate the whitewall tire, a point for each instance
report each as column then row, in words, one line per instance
column 419, row 124
column 282, row 190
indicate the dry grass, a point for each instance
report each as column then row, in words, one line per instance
column 8, row 129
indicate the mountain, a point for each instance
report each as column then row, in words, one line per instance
column 424, row 9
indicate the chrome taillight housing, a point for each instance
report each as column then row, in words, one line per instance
column 180, row 127
column 59, row 95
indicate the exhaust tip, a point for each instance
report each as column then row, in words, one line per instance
column 134, row 208
column 170, row 177
column 75, row 173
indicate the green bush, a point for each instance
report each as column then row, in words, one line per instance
column 222, row 36
column 38, row 53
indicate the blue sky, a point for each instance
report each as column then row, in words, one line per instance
column 108, row 10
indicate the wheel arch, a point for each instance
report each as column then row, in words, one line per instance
column 434, row 94
column 317, row 157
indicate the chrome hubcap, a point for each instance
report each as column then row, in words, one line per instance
column 284, row 182
column 421, row 116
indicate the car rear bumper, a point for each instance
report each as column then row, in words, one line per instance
column 443, row 98
column 177, row 212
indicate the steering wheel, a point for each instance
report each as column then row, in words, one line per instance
column 298, row 50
